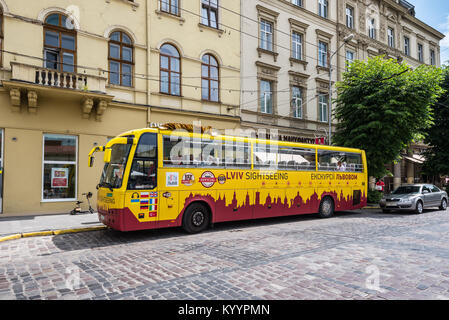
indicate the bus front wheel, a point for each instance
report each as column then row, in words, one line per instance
column 196, row 218
column 326, row 208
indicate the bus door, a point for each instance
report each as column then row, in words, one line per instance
column 170, row 181
column 1, row 170
column 141, row 196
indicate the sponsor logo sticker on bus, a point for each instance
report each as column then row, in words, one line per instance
column 207, row 179
column 188, row 179
column 172, row 179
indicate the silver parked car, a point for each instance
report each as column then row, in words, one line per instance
column 414, row 197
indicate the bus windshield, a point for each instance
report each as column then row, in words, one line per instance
column 113, row 172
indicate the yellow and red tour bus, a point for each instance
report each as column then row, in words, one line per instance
column 158, row 178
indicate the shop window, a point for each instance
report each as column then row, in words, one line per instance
column 121, row 59
column 59, row 43
column 59, row 167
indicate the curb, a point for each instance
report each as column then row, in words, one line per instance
column 49, row 233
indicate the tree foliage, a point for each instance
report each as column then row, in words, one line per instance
column 382, row 106
column 438, row 134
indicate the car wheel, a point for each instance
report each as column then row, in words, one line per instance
column 419, row 207
column 326, row 208
column 443, row 205
column 196, row 218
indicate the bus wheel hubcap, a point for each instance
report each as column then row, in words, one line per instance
column 198, row 218
column 326, row 207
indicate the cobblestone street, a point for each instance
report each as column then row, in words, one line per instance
column 358, row 255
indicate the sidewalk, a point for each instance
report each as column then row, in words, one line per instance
column 48, row 224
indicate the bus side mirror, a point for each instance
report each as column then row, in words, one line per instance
column 107, row 155
column 91, row 162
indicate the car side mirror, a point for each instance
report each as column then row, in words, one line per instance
column 425, row 191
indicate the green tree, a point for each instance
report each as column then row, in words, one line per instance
column 382, row 106
column 438, row 134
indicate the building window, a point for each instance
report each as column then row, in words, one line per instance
column 391, row 41
column 322, row 107
column 210, row 78
column 59, row 43
column 350, row 17
column 297, row 3
column 297, row 102
column 432, row 57
column 170, row 6
column 266, row 97
column 407, row 46
column 322, row 54
column 121, row 59
column 170, row 67
column 420, row 53
column 372, row 29
column 349, row 58
column 266, row 35
column 296, row 45
column 322, row 8
column 59, row 167
column 209, row 13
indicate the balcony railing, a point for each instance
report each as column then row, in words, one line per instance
column 66, row 80
column 57, row 79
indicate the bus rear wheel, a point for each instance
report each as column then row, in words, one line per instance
column 196, row 218
column 326, row 208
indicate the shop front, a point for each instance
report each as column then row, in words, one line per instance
column 43, row 153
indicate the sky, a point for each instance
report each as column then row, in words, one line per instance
column 435, row 13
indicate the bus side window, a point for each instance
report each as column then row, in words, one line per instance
column 265, row 156
column 296, row 159
column 355, row 162
column 142, row 175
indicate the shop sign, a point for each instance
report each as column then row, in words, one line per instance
column 59, row 177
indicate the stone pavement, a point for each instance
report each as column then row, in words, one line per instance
column 355, row 255
column 36, row 223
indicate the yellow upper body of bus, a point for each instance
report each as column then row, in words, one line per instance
column 156, row 178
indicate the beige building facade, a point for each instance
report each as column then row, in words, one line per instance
column 286, row 68
column 285, row 74
column 76, row 73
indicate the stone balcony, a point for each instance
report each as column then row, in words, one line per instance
column 33, row 81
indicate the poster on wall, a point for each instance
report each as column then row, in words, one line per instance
column 59, row 177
